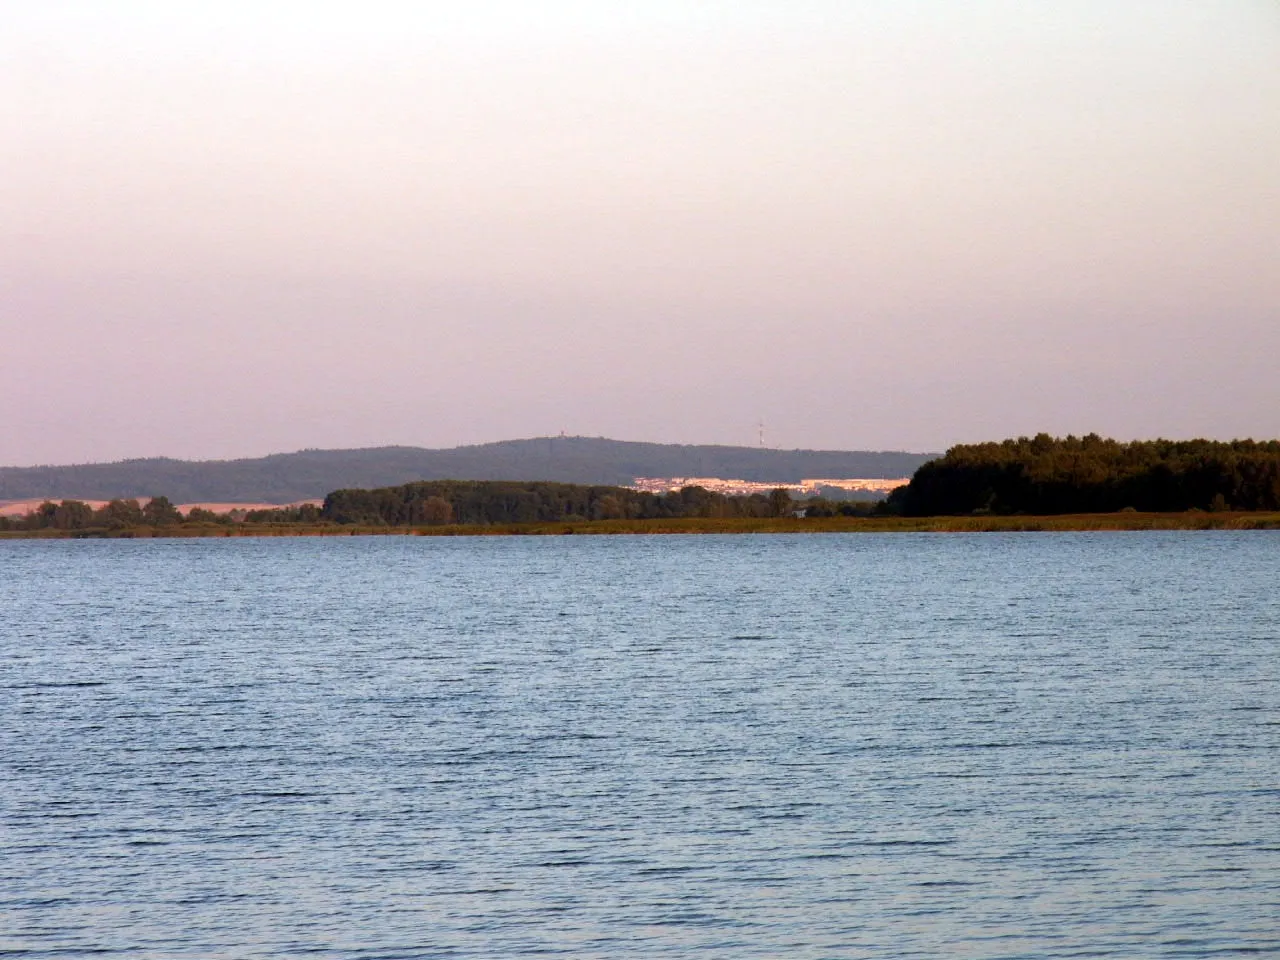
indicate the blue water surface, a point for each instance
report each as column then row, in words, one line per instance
column 1022, row 745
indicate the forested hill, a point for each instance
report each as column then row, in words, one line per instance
column 282, row 478
column 1050, row 475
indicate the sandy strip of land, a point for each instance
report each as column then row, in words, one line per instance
column 20, row 508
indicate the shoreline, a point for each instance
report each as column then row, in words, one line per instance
column 1118, row 522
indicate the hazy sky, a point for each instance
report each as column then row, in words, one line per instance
column 228, row 229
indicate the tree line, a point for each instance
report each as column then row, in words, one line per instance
column 114, row 515
column 1045, row 475
column 440, row 502
column 437, row 502
column 126, row 514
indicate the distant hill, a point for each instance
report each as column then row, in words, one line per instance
column 286, row 477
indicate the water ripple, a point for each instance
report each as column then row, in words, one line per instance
column 836, row 746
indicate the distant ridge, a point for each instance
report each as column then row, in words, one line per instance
column 286, row 477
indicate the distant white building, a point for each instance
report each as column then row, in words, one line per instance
column 743, row 488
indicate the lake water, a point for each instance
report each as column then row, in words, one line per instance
column 1026, row 745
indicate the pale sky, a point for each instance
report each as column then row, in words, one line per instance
column 231, row 229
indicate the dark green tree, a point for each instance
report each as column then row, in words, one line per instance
column 201, row 515
column 73, row 515
column 160, row 512
column 119, row 515
column 437, row 511
column 780, row 502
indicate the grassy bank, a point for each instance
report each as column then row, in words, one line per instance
column 966, row 524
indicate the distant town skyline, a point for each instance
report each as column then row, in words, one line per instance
column 240, row 229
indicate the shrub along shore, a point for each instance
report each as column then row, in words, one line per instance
column 1127, row 521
